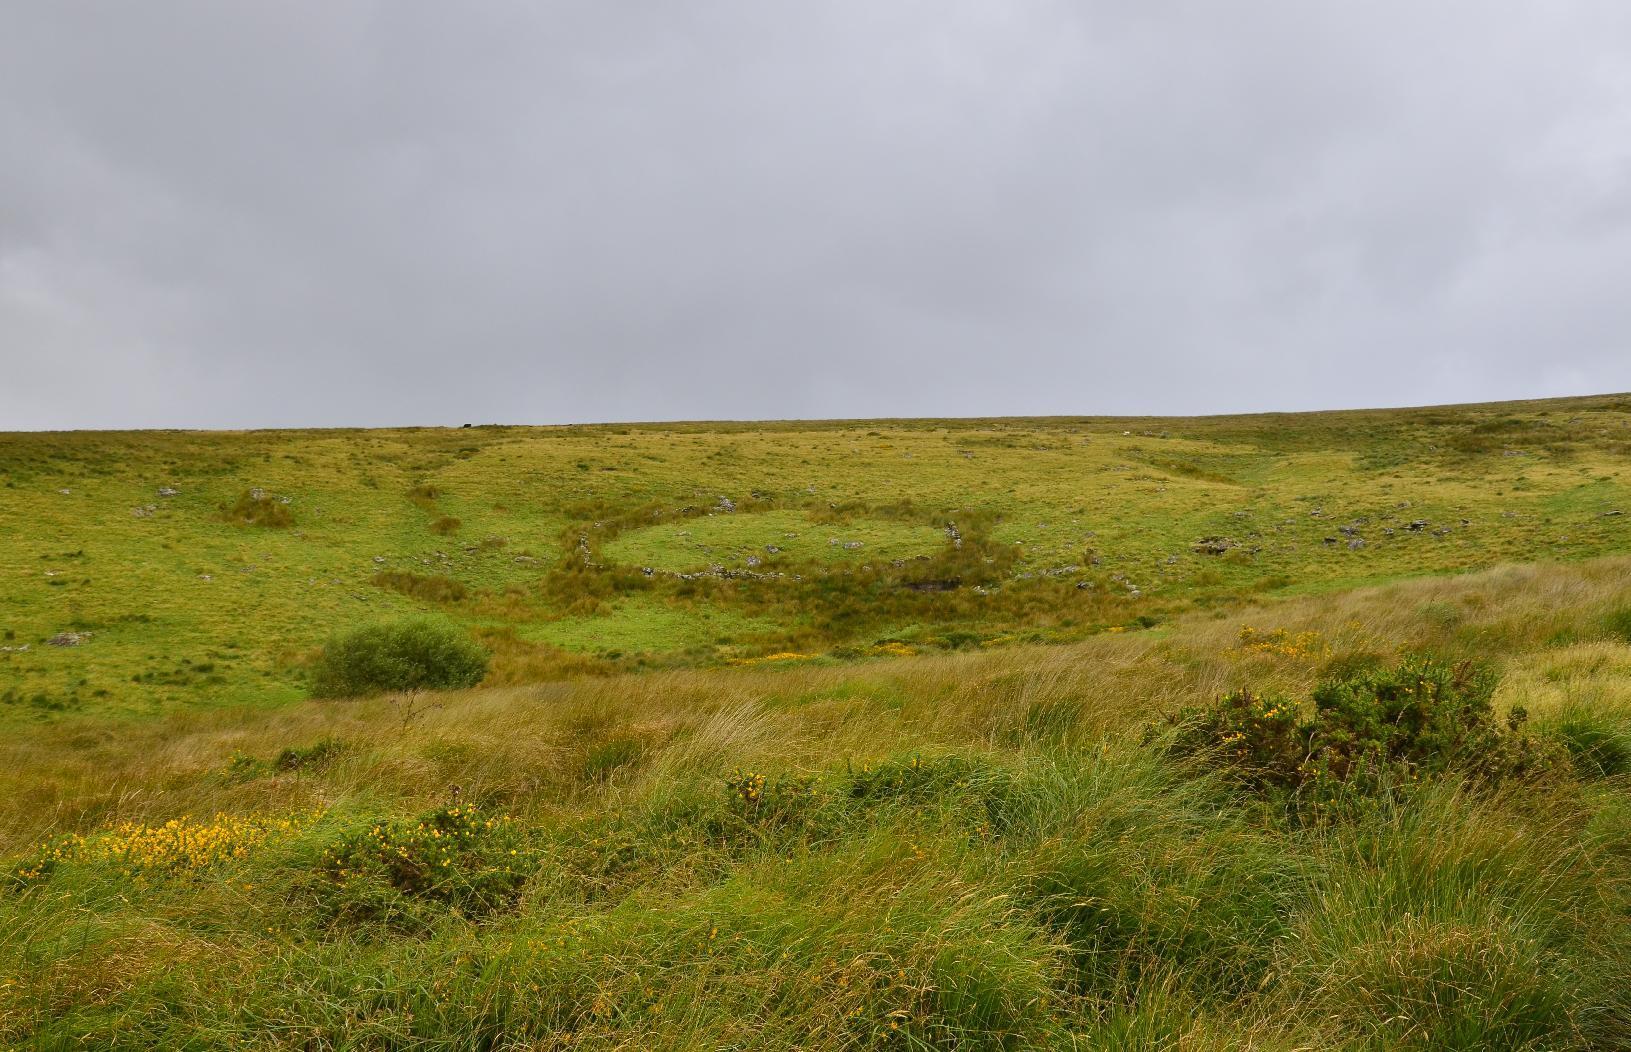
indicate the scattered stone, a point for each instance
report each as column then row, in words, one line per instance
column 206, row 577
column 772, row 549
column 1356, row 544
column 1613, row 513
column 955, row 536
column 67, row 639
column 144, row 511
column 1213, row 545
column 65, row 492
column 725, row 504
column 851, row 546
column 21, row 648
column 753, row 560
column 257, row 493
column 379, row 558
column 168, row 491
column 1417, row 526
column 1329, row 541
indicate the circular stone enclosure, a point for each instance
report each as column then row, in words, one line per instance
column 730, row 539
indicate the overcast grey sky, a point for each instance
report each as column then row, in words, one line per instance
column 235, row 215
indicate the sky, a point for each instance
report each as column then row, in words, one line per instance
column 335, row 213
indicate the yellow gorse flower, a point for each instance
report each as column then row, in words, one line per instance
column 178, row 845
column 1281, row 643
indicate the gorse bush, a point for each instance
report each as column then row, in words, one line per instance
column 456, row 857
column 1365, row 733
column 405, row 655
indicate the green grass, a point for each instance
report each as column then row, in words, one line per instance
column 161, row 582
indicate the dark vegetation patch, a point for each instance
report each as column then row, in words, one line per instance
column 257, row 508
column 428, row 588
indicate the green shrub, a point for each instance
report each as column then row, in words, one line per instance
column 445, row 525
column 405, row 655
column 1368, row 732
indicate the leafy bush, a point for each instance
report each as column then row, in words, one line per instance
column 405, row 655
column 1368, row 732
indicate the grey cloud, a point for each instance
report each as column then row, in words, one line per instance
column 289, row 214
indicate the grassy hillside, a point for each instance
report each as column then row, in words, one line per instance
column 1281, row 733
column 604, row 549
column 976, row 850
